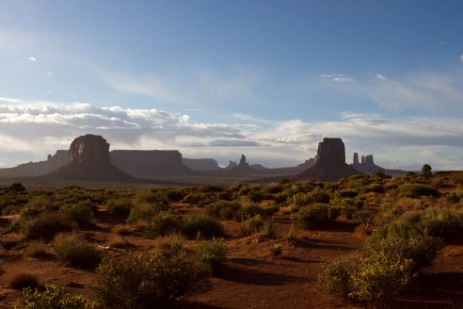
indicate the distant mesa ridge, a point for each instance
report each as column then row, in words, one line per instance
column 89, row 158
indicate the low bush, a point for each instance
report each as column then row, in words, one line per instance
column 53, row 297
column 202, row 226
column 318, row 197
column 415, row 190
column 163, row 223
column 47, row 225
column 142, row 281
column 211, row 253
column 317, row 215
column 77, row 252
column 199, row 198
column 375, row 187
column 252, row 225
column 224, row 210
column 21, row 280
column 81, row 213
column 120, row 207
column 145, row 212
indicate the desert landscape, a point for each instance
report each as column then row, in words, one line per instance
column 298, row 241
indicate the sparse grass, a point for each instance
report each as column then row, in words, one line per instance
column 416, row 190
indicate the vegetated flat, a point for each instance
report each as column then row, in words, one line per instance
column 251, row 277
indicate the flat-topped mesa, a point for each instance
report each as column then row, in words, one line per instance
column 89, row 161
column 89, row 149
column 331, row 150
column 330, row 162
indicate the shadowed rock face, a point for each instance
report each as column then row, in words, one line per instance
column 330, row 162
column 89, row 149
column 89, row 161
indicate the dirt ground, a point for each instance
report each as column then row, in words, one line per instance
column 252, row 277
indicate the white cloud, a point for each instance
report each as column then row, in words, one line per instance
column 32, row 129
column 33, row 59
column 461, row 57
column 338, row 78
column 380, row 77
column 50, row 75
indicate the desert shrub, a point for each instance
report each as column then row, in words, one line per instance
column 252, row 225
column 202, row 226
column 438, row 222
column 53, row 297
column 276, row 250
column 21, row 280
column 224, row 210
column 81, row 212
column 281, row 197
column 151, row 196
column 163, row 223
column 318, row 197
column 374, row 279
column 176, row 194
column 142, row 281
column 37, row 206
column 253, row 210
column 199, row 198
column 415, row 190
column 421, row 250
column 144, row 212
column 120, row 207
column 455, row 196
column 375, row 187
column 300, row 199
column 317, row 215
column 211, row 253
column 47, row 225
column 77, row 252
column 348, row 193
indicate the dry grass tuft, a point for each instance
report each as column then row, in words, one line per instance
column 20, row 280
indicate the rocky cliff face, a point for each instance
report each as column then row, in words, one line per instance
column 149, row 163
column 89, row 161
column 366, row 165
column 201, row 164
column 330, row 162
column 89, row 149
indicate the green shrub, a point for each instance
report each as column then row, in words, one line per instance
column 202, row 226
column 120, row 207
column 337, row 275
column 375, row 187
column 199, row 198
column 163, row 223
column 211, row 253
column 151, row 196
column 81, row 213
column 438, row 222
column 141, row 281
column 47, row 225
column 145, row 212
column 252, row 225
column 415, row 190
column 224, row 210
column 317, row 215
column 318, row 197
column 53, row 297
column 77, row 252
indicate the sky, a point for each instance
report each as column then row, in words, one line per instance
column 215, row 79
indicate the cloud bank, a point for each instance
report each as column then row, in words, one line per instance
column 32, row 129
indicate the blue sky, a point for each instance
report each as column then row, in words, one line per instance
column 217, row 78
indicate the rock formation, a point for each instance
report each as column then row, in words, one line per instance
column 368, row 166
column 89, row 161
column 150, row 163
column 31, row 169
column 330, row 162
column 201, row 164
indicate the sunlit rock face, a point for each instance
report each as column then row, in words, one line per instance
column 89, row 149
column 330, row 162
